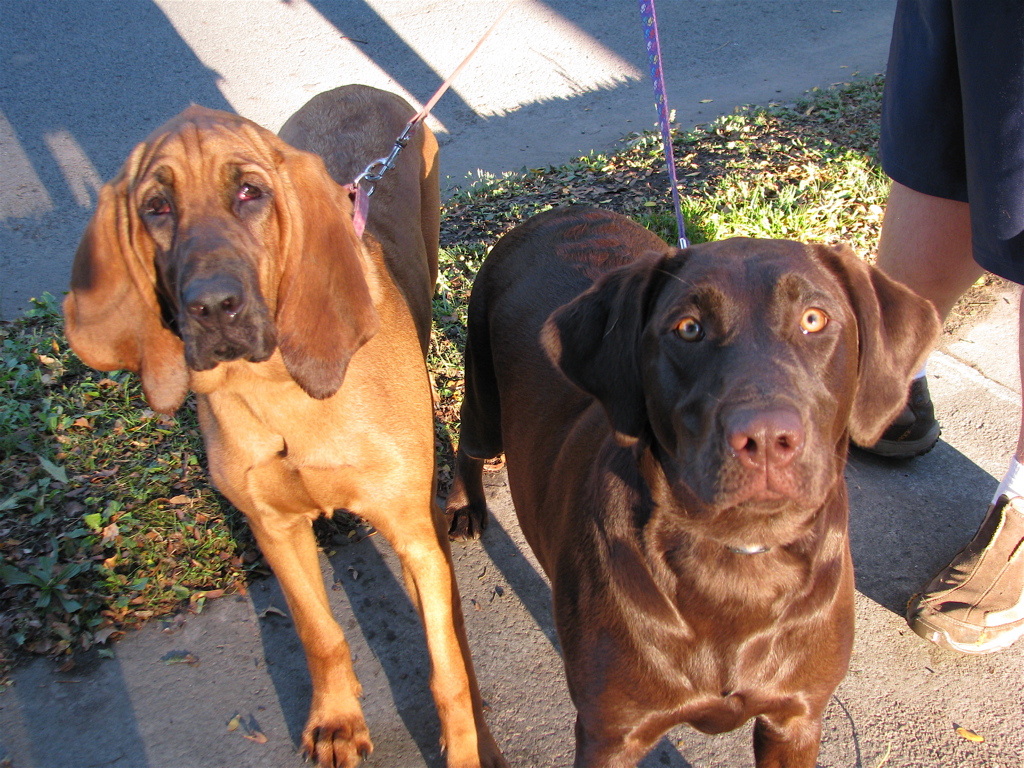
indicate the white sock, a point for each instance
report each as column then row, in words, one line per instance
column 1013, row 483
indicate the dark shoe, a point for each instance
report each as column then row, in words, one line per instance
column 914, row 432
column 976, row 603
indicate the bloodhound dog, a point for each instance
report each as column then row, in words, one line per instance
column 676, row 424
column 223, row 259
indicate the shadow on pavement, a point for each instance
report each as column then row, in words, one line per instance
column 96, row 698
column 904, row 528
column 377, row 611
column 536, row 597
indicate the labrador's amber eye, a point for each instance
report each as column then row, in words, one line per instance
column 813, row 320
column 690, row 329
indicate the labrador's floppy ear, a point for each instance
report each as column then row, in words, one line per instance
column 595, row 340
column 896, row 330
column 324, row 308
column 112, row 315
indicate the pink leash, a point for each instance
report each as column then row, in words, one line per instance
column 375, row 171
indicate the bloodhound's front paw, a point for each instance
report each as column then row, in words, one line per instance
column 490, row 755
column 336, row 742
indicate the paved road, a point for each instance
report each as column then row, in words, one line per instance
column 81, row 82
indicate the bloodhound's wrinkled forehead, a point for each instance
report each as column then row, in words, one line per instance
column 202, row 134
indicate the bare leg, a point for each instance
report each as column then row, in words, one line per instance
column 926, row 244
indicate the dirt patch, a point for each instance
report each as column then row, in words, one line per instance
column 977, row 304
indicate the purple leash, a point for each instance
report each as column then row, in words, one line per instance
column 650, row 25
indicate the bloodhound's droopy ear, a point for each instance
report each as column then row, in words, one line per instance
column 896, row 330
column 112, row 316
column 595, row 340
column 324, row 309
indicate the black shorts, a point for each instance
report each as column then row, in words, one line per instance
column 953, row 116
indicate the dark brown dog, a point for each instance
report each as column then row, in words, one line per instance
column 676, row 425
column 224, row 259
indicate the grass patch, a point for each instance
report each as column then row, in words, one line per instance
column 107, row 518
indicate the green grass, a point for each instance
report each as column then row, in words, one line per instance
column 106, row 518
column 106, row 515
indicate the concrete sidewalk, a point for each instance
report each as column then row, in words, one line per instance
column 83, row 82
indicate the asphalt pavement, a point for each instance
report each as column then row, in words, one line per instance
column 82, row 82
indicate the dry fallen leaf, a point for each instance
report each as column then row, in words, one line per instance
column 250, row 730
column 102, row 635
column 967, row 733
column 110, row 533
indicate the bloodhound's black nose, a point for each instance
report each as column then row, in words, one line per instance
column 215, row 301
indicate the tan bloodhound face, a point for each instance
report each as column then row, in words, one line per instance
column 217, row 242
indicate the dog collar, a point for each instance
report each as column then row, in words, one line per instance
column 756, row 549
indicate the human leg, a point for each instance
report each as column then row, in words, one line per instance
column 951, row 128
column 925, row 244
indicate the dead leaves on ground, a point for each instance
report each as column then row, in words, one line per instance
column 248, row 727
column 969, row 735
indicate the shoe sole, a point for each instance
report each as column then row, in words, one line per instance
column 942, row 639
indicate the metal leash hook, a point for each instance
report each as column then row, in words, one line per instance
column 375, row 171
column 385, row 163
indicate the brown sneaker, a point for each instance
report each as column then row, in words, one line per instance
column 976, row 603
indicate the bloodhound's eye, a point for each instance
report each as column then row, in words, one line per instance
column 813, row 320
column 690, row 329
column 249, row 192
column 157, row 206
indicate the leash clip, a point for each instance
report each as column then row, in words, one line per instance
column 375, row 171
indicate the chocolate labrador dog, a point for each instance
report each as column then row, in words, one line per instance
column 676, row 424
